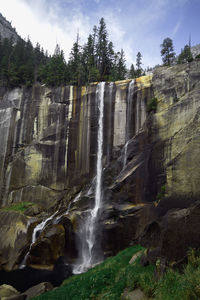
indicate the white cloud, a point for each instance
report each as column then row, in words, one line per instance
column 136, row 25
column 176, row 28
column 43, row 23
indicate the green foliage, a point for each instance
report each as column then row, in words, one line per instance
column 109, row 280
column 132, row 72
column 152, row 105
column 167, row 51
column 198, row 56
column 106, row 281
column 21, row 206
column 138, row 65
column 22, row 64
column 161, row 194
column 185, row 55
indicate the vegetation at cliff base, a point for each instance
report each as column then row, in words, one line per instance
column 109, row 280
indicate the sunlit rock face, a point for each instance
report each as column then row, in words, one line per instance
column 49, row 137
column 177, row 126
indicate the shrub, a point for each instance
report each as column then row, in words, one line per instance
column 152, row 106
column 21, row 206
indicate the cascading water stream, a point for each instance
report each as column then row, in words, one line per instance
column 128, row 118
column 87, row 231
column 36, row 231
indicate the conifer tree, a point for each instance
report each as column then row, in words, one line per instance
column 132, row 72
column 139, row 64
column 185, row 55
column 167, row 51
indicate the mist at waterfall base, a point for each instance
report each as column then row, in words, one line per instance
column 89, row 231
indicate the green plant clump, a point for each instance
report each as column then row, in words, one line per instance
column 108, row 280
column 21, row 206
column 152, row 106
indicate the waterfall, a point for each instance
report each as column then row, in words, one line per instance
column 128, row 119
column 35, row 234
column 87, row 231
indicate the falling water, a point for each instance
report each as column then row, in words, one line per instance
column 128, row 119
column 35, row 234
column 87, row 232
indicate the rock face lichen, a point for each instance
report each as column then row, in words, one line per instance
column 177, row 122
column 49, row 144
column 49, row 138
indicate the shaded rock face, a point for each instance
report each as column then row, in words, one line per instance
column 13, row 238
column 173, row 235
column 49, row 137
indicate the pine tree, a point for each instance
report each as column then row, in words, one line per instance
column 121, row 66
column 167, row 51
column 139, row 64
column 75, row 63
column 102, row 50
column 132, row 72
column 185, row 55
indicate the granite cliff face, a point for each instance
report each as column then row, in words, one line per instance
column 49, row 138
column 49, row 147
column 6, row 30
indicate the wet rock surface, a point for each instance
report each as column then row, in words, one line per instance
column 48, row 247
column 13, row 238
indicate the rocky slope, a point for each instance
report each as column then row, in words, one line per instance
column 48, row 156
column 6, row 30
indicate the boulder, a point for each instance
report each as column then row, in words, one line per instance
column 170, row 237
column 48, row 248
column 7, row 291
column 38, row 289
column 137, row 294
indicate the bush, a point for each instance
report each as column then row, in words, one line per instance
column 21, row 206
column 152, row 106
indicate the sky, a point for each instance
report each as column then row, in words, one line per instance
column 134, row 25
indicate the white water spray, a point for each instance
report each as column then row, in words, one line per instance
column 87, row 232
column 128, row 119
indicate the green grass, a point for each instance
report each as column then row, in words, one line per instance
column 20, row 207
column 108, row 281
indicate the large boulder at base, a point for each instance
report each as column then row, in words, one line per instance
column 38, row 289
column 13, row 238
column 48, row 247
column 7, row 291
column 174, row 234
